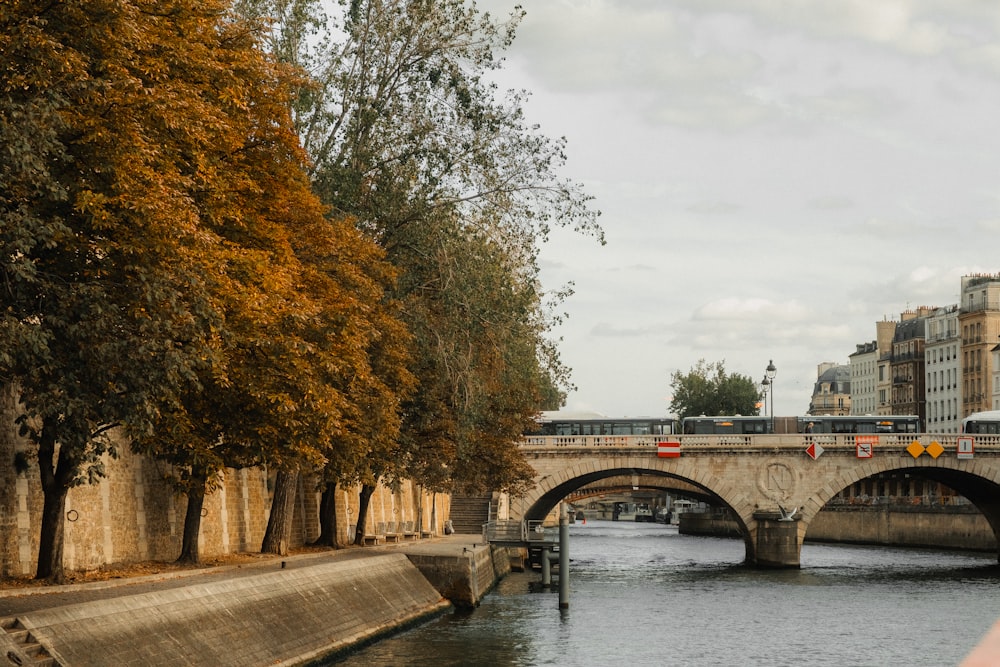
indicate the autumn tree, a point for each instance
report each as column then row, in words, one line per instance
column 167, row 269
column 707, row 389
column 108, row 315
column 406, row 134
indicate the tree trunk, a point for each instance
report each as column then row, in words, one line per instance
column 328, row 517
column 50, row 543
column 55, row 477
column 279, row 524
column 192, row 518
column 364, row 499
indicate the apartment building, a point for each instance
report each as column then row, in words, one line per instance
column 942, row 371
column 941, row 364
column 907, row 365
column 996, row 377
column 832, row 391
column 864, row 379
column 979, row 324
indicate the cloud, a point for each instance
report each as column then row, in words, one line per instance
column 831, row 203
column 753, row 310
column 606, row 330
column 714, row 207
column 919, row 285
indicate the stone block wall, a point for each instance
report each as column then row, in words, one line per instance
column 134, row 515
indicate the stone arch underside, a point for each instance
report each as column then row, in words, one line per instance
column 645, row 482
column 553, row 488
column 979, row 481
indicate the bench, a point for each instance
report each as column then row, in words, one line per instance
column 391, row 535
column 378, row 537
column 408, row 531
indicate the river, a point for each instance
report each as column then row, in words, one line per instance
column 641, row 594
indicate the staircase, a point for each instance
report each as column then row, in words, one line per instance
column 469, row 513
column 26, row 650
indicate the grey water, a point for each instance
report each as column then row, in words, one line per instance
column 642, row 594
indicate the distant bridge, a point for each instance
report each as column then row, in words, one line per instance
column 775, row 485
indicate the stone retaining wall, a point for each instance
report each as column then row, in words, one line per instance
column 133, row 514
column 284, row 617
column 946, row 527
column 464, row 578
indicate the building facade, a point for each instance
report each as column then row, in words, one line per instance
column 864, row 379
column 907, row 366
column 996, row 377
column 832, row 391
column 979, row 322
column 942, row 371
column 871, row 380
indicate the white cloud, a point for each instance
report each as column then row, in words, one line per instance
column 750, row 310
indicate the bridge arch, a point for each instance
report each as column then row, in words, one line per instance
column 550, row 490
column 774, row 485
column 979, row 483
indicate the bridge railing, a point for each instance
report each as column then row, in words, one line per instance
column 886, row 442
column 511, row 530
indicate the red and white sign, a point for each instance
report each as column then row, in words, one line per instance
column 966, row 447
column 865, row 445
column 814, row 451
column 668, row 450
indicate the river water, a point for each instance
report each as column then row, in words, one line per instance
column 641, row 594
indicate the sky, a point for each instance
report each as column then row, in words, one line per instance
column 774, row 177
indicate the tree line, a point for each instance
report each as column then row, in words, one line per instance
column 273, row 232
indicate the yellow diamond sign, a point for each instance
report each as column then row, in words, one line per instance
column 915, row 449
column 935, row 449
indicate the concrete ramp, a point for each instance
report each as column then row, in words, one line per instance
column 287, row 617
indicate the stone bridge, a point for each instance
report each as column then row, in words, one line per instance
column 774, row 484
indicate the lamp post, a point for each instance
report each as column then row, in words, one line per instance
column 769, row 374
column 765, row 386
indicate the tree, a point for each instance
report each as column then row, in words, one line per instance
column 708, row 390
column 108, row 315
column 407, row 136
column 167, row 268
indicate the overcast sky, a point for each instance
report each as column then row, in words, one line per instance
column 774, row 178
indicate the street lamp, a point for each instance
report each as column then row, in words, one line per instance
column 769, row 374
column 765, row 386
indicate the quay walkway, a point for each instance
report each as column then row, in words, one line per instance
column 291, row 610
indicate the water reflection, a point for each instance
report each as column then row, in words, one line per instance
column 643, row 595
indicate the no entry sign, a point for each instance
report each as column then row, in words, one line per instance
column 668, row 450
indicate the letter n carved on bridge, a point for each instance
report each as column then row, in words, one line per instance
column 776, row 481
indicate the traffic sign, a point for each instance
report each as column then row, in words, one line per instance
column 865, row 445
column 814, row 451
column 966, row 447
column 668, row 450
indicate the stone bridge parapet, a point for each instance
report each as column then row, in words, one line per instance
column 774, row 484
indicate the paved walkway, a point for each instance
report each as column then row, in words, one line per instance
column 18, row 601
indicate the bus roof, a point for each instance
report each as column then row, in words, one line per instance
column 988, row 415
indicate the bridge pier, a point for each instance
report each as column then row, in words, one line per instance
column 776, row 543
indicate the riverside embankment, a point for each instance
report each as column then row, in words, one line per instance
column 947, row 527
column 291, row 611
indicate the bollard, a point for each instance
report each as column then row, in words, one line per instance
column 546, row 568
column 564, row 560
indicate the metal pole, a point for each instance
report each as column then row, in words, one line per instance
column 546, row 568
column 564, row 559
column 770, row 372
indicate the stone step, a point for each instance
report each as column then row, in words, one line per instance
column 29, row 651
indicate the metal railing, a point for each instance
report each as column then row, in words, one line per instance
column 529, row 532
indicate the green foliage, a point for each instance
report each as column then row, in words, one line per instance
column 442, row 171
column 708, row 390
column 167, row 267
